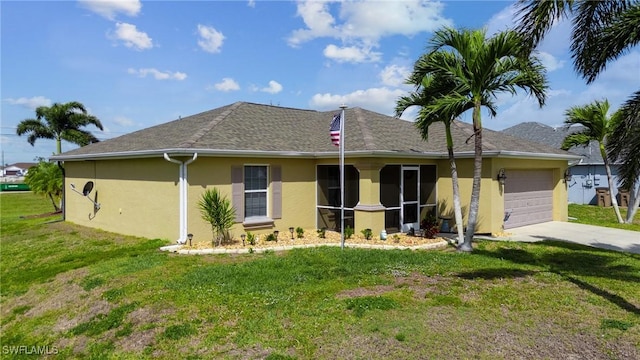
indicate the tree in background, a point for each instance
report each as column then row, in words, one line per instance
column 60, row 122
column 46, row 179
column 597, row 125
column 477, row 69
column 602, row 31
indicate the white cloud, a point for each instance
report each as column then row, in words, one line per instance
column 210, row 39
column 30, row 103
column 367, row 20
column 273, row 88
column 550, row 62
column 381, row 100
column 503, row 20
column 110, row 8
column 394, row 75
column 122, row 121
column 131, row 37
column 251, row 3
column 157, row 74
column 227, row 84
column 352, row 54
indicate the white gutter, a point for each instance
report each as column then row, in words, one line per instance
column 183, row 189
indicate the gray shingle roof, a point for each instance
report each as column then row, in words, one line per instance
column 545, row 134
column 252, row 129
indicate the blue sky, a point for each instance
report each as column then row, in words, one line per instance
column 135, row 64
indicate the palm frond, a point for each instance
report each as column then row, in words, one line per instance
column 624, row 144
column 535, row 18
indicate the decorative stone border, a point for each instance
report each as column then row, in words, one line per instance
column 176, row 248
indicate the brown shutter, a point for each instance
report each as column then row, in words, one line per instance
column 237, row 190
column 276, row 192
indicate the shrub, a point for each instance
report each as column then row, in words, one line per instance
column 429, row 226
column 251, row 238
column 217, row 211
column 367, row 233
column 300, row 232
column 348, row 232
column 271, row 237
column 322, row 233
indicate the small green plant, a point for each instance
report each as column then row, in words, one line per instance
column 396, row 238
column 217, row 211
column 300, row 232
column 401, row 337
column 175, row 332
column 348, row 232
column 615, row 324
column 271, row 237
column 367, row 233
column 322, row 233
column 251, row 238
column 251, row 251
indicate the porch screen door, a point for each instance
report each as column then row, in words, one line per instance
column 409, row 194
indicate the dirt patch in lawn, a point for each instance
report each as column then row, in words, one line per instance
column 419, row 284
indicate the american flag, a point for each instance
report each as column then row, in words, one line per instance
column 334, row 131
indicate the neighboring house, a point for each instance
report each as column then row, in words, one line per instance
column 17, row 169
column 587, row 174
column 279, row 168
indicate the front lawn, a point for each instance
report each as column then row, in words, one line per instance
column 83, row 293
column 601, row 216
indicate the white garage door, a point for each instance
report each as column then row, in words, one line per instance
column 528, row 197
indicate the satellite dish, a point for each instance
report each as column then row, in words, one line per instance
column 87, row 188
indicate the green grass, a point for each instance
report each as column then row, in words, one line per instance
column 93, row 294
column 601, row 216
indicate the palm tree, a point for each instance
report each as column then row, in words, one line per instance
column 478, row 69
column 602, row 31
column 427, row 90
column 46, row 179
column 596, row 126
column 626, row 148
column 60, row 122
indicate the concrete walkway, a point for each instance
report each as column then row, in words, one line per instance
column 596, row 236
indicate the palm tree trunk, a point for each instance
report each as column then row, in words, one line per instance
column 477, row 178
column 614, row 201
column 457, row 209
column 58, row 146
column 53, row 202
column 634, row 202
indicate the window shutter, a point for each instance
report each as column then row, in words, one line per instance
column 276, row 192
column 237, row 190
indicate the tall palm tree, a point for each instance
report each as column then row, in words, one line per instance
column 480, row 68
column 602, row 31
column 626, row 148
column 428, row 89
column 597, row 125
column 60, row 122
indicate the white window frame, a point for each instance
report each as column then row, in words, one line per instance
column 265, row 191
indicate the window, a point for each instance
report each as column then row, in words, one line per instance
column 328, row 215
column 255, row 191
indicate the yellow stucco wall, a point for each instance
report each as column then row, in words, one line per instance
column 136, row 196
column 298, row 192
column 141, row 196
column 491, row 210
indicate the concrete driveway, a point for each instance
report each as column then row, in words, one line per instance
column 596, row 236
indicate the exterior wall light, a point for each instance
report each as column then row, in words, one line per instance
column 567, row 176
column 243, row 236
column 291, row 231
column 502, row 176
column 275, row 233
column 190, row 237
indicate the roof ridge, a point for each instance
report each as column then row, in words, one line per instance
column 465, row 127
column 215, row 121
column 366, row 132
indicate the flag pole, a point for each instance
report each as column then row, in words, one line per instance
column 342, row 119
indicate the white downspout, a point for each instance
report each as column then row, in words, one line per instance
column 182, row 186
